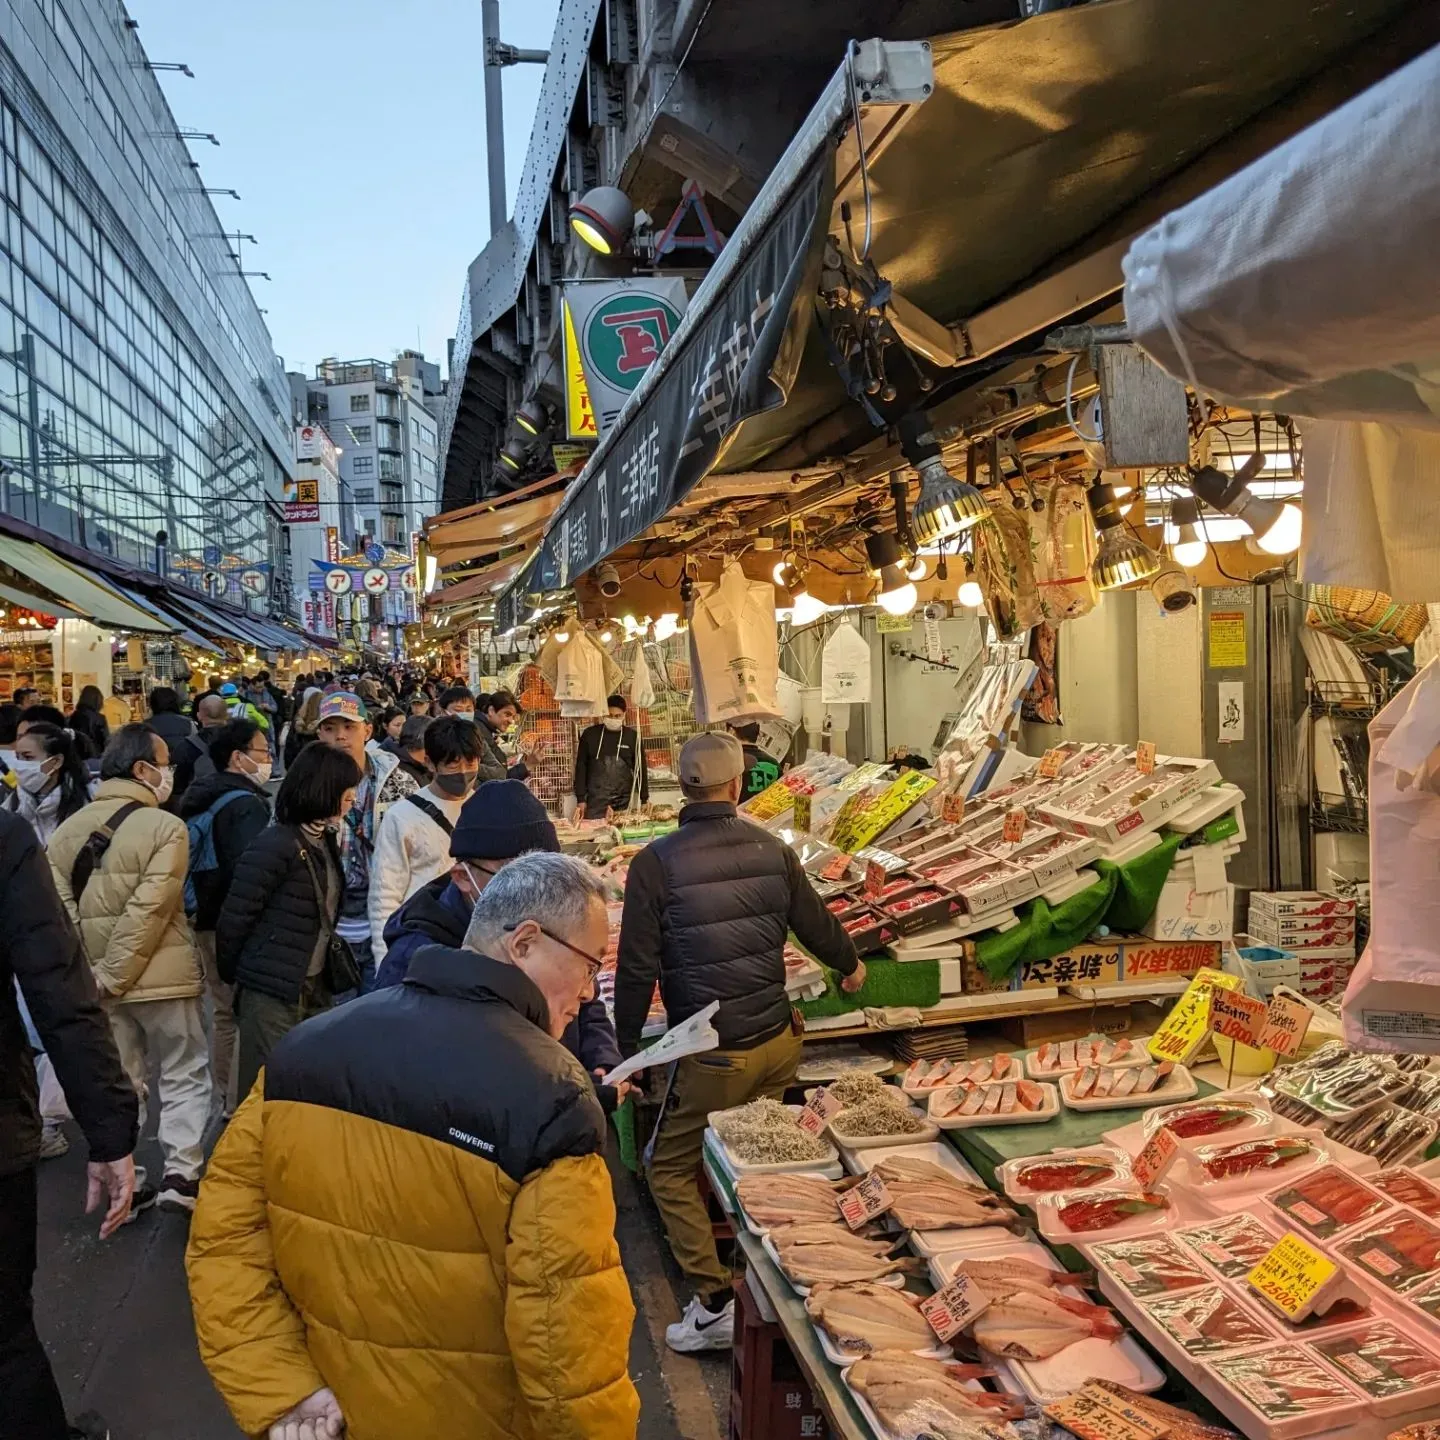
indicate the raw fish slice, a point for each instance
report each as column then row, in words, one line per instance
column 1104, row 1083
column 1105, row 1051
column 992, row 1101
column 949, row 1102
column 1084, row 1052
column 1067, row 1054
column 915, row 1074
column 1123, row 1049
column 1007, row 1099
column 1123, row 1082
column 1030, row 1095
column 1047, row 1057
column 978, row 1072
column 1164, row 1068
column 1147, row 1079
column 1000, row 1067
column 939, row 1072
column 974, row 1102
column 1083, row 1083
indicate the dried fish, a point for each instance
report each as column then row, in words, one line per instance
column 771, row 1200
column 876, row 1117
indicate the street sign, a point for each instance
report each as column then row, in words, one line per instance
column 254, row 582
column 375, row 580
column 338, row 582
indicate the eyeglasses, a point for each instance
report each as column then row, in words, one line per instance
column 592, row 964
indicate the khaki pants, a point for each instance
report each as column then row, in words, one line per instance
column 264, row 1022
column 221, row 1014
column 172, row 1032
column 716, row 1080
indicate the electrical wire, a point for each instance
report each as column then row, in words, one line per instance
column 1070, row 402
column 851, row 51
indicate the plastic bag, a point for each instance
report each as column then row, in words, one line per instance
column 845, row 667
column 580, row 677
column 1062, row 550
column 642, row 688
column 1006, row 571
column 734, row 649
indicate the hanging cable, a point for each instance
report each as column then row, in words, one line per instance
column 851, row 52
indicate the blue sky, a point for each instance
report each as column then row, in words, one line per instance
column 354, row 131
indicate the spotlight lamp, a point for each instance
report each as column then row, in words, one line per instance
column 947, row 507
column 1277, row 526
column 1190, row 545
column 532, row 417
column 882, row 551
column 513, row 456
column 603, row 218
column 1122, row 558
column 788, row 576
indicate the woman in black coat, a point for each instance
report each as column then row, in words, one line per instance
column 88, row 721
column 275, row 927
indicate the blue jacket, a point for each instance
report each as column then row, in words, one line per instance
column 438, row 914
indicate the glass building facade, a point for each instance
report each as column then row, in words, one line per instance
column 139, row 389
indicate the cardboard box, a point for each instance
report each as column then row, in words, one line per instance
column 1289, row 932
column 1097, row 807
column 993, row 884
column 1280, row 903
column 1183, row 913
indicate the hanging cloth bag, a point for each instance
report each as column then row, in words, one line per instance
column 642, row 688
column 845, row 667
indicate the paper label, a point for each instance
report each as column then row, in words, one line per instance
column 951, row 1309
column 817, row 1112
column 802, row 813
column 893, row 624
column 1093, row 1413
column 1379, row 1262
column 1145, row 757
column 1050, row 764
column 875, row 878
column 1358, row 1366
column 1155, row 1159
column 1014, row 828
column 837, row 868
column 689, row 1037
column 952, row 808
column 1291, row 1275
column 1236, row 1016
column 865, row 1201
column 1209, row 866
column 1184, row 1029
column 1286, row 1022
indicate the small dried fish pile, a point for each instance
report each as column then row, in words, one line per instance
column 856, row 1087
column 764, row 1132
column 1032, row 1325
column 916, row 1397
column 838, row 1261
column 876, row 1117
column 1099, row 1081
column 863, row 1317
column 927, row 1197
column 771, row 1200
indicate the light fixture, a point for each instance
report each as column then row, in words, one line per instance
column 532, row 417
column 563, row 636
column 513, row 456
column 917, row 569
column 608, row 579
column 882, row 550
column 970, row 595
column 1189, row 546
column 946, row 506
column 667, row 625
column 788, row 576
column 897, row 594
column 603, row 218
column 805, row 609
column 1276, row 525
column 1122, row 558
column 606, row 636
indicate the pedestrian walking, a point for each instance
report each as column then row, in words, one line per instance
column 51, row 781
column 409, row 749
column 440, row 1125
column 274, row 933
column 165, row 717
column 119, row 866
column 88, row 721
column 304, row 725
column 192, row 755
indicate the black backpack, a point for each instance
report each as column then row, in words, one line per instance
column 92, row 852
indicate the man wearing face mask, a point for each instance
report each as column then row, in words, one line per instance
column 412, row 845
column 128, row 896
column 223, row 812
column 607, row 760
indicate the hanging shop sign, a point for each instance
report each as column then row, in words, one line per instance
column 338, row 581
column 254, row 581
column 738, row 361
column 302, row 501
column 375, row 581
column 579, row 412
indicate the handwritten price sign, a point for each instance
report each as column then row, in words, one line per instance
column 1155, row 1159
column 863, row 1202
column 951, row 1309
column 1051, row 763
column 1145, row 757
column 1236, row 1016
column 1093, row 1413
column 1184, row 1029
column 817, row 1113
column 875, row 877
column 1292, row 1276
column 952, row 808
column 1286, row 1022
column 1014, row 828
column 836, row 868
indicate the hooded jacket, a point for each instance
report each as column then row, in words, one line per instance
column 493, row 764
column 235, row 825
column 411, row 849
column 438, row 914
column 132, row 913
column 458, row 1272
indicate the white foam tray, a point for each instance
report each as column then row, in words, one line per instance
column 1179, row 1085
column 935, row 1151
column 842, row 1359
column 1048, row 1111
column 1111, row 1154
column 895, row 1281
column 829, row 1166
column 1151, row 1222
column 1132, row 1137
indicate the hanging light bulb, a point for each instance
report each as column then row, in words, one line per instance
column 806, row 609
column 1189, row 546
column 1277, row 527
column 946, row 506
column 1122, row 558
column 970, row 595
column 897, row 594
column 918, row 569
column 667, row 625
column 787, row 576
column 606, row 636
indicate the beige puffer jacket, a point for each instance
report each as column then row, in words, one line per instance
column 132, row 914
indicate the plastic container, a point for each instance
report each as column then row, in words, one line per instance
column 961, row 1073
column 1049, row 1212
column 1232, row 1247
column 1282, row 1393
column 1178, row 1085
column 898, row 1137
column 1214, row 1169
column 1398, row 1371
column 1123, row 1361
column 1048, row 1111
column 1149, row 1268
column 827, row 1164
column 1405, row 1187
column 1207, row 1322
column 1325, row 1202
column 1109, row 1166
column 1399, row 1250
column 1136, row 1055
column 1252, row 1120
column 945, row 1263
column 937, row 1152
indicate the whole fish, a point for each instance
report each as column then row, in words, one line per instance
column 1024, row 1325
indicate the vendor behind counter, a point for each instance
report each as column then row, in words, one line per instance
column 761, row 772
column 608, row 762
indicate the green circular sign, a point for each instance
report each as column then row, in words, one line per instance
column 625, row 335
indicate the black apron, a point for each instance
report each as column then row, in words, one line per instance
column 610, row 782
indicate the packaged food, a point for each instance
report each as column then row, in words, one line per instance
column 1151, row 1266
column 1326, row 1201
column 1405, row 1187
column 1079, row 1170
column 1400, row 1249
column 1209, row 1322
column 1287, row 1384
column 1340, row 1090
column 1388, row 1132
column 1105, row 1209
column 1201, row 1118
column 1382, row 1361
column 1253, row 1159
column 1232, row 1247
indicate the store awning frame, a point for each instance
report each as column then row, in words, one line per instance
column 84, row 590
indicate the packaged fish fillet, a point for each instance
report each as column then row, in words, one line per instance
column 1339, row 1091
column 1093, row 1212
column 1246, row 1161
column 1327, row 1201
column 1209, row 1322
column 1064, row 1170
column 1405, row 1187
column 1388, row 1132
column 1200, row 1119
column 1400, row 1249
column 1232, row 1247
column 1285, row 1383
column 1383, row 1361
column 1154, row 1265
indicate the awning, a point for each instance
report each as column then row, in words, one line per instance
column 85, row 592
column 174, row 621
column 33, row 601
column 225, row 623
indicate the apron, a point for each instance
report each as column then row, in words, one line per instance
column 611, row 781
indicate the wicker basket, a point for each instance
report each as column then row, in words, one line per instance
column 1368, row 620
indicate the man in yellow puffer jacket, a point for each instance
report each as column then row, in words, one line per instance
column 408, row 1226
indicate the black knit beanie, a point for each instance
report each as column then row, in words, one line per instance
column 501, row 820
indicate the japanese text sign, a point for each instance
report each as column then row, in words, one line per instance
column 1014, row 828
column 1236, row 1016
column 1050, row 763
column 1286, row 1022
column 1155, row 1158
column 818, row 1111
column 863, row 1202
column 875, row 875
column 1145, row 757
column 952, row 808
column 1292, row 1276
column 950, row 1309
column 836, row 868
column 1184, row 1029
column 1093, row 1413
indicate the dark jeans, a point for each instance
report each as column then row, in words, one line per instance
column 30, row 1407
column 262, row 1022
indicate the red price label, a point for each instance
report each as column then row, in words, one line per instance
column 1145, row 756
column 1155, row 1159
column 837, row 868
column 952, row 808
column 1014, row 829
column 802, row 813
column 1286, row 1022
column 1236, row 1016
column 863, row 1202
column 949, row 1310
column 817, row 1113
column 1050, row 763
column 875, row 877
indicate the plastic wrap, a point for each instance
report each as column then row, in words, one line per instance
column 1391, row 1134
column 1209, row 1322
column 1327, row 1201
column 1400, row 1250
column 1232, row 1247
column 1096, row 1212
column 1383, row 1362
column 1068, row 1170
column 1339, row 1091
column 1246, row 1162
column 1405, row 1187
column 1150, row 1267
column 1222, row 1119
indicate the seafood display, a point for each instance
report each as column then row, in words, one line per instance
column 1206, row 1117
column 1098, row 1081
column 1338, row 1090
column 838, row 1261
column 863, row 1317
column 1326, row 1201
column 822, row 1232
column 1253, row 1157
column 771, row 1200
column 1055, row 1058
column 856, row 1087
column 1405, row 1187
column 1382, row 1361
column 1400, row 1250
column 1284, row 1383
column 877, row 1117
column 931, row 1074
column 1107, row 1209
column 925, row 1197
column 1389, row 1132
column 1010, row 1273
column 1176, row 1423
column 1007, row 1097
column 1046, row 1174
column 1231, row 1247
column 1208, row 1322
column 1033, row 1325
column 914, row 1397
column 764, row 1132
column 1150, row 1266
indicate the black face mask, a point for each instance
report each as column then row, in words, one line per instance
column 456, row 786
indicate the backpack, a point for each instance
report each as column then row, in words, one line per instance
column 201, row 829
column 92, row 852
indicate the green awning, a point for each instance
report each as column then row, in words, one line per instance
column 84, row 592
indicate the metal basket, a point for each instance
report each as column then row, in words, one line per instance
column 1367, row 620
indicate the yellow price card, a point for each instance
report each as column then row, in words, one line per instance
column 1292, row 1277
column 1183, row 1030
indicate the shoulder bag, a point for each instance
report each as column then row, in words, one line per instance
column 433, row 811
column 341, row 970
column 92, row 852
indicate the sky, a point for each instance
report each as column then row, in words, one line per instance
column 354, row 131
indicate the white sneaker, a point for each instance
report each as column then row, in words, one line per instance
column 52, row 1141
column 702, row 1329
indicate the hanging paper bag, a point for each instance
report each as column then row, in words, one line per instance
column 735, row 649
column 642, row 688
column 845, row 667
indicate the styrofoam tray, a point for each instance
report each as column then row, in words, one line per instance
column 1044, row 1381
column 1152, row 1222
column 1133, row 1137
column 1015, row 1072
column 1111, row 1154
column 929, row 1243
column 829, row 1166
column 1239, row 1193
column 944, row 1265
column 866, row 1410
column 895, row 1281
column 872, row 1142
column 1138, row 1056
column 1179, row 1085
column 1048, row 1111
column 841, row 1359
column 937, row 1152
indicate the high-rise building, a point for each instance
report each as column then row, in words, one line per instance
column 143, row 412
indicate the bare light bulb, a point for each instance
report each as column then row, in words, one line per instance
column 900, row 601
column 667, row 625
column 1283, row 537
column 606, row 637
column 563, row 636
column 971, row 595
column 917, row 568
column 1187, row 552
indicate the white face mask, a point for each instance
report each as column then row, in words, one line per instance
column 464, row 715
column 166, row 785
column 612, row 722
column 31, row 775
column 260, row 770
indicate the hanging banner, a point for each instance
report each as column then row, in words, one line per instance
column 739, row 360
column 619, row 328
column 579, row 412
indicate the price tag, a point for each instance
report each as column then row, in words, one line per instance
column 951, row 1309
column 1292, row 1276
column 802, row 813
column 1286, row 1022
column 952, row 808
column 817, row 1112
column 1145, row 756
column 1093, row 1413
column 1183, row 1030
column 1155, row 1159
column 875, row 878
column 865, row 1201
column 1236, row 1016
column 837, row 868
column 1014, row 828
column 1050, row 763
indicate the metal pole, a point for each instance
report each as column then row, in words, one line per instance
column 494, row 113
column 27, row 359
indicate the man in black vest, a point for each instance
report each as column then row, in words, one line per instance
column 707, row 909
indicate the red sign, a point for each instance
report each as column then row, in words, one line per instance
column 817, row 1112
column 875, row 877
column 1236, row 1016
column 952, row 808
column 1286, row 1022
column 1157, row 1156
